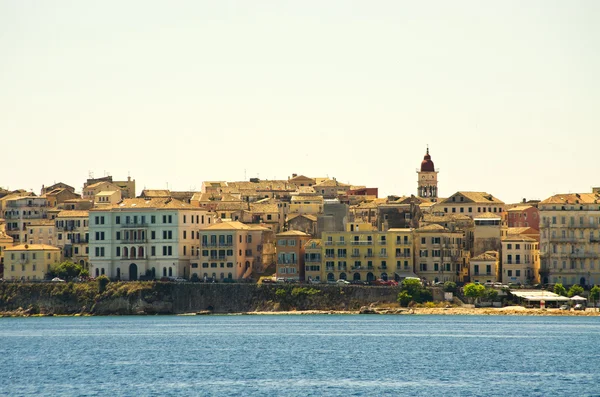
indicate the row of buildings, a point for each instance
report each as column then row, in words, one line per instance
column 300, row 228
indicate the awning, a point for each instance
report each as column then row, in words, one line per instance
column 578, row 298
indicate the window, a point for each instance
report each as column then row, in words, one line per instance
column 185, row 219
column 118, row 235
column 118, row 251
column 118, row 220
column 152, row 218
column 153, row 251
column 509, row 273
column 153, row 234
column 184, row 232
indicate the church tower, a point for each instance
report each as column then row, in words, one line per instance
column 427, row 184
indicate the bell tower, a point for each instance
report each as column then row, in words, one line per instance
column 427, row 183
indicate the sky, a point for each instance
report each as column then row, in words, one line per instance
column 506, row 94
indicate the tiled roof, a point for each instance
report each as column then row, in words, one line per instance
column 158, row 203
column 155, row 193
column 316, row 241
column 331, row 183
column 106, row 193
column 432, row 228
column 488, row 215
column 233, row 225
column 573, row 198
column 519, row 208
column 32, row 247
column 293, row 233
column 41, row 222
column 307, row 216
column 476, row 197
column 445, row 218
column 516, row 237
column 231, row 206
column 486, row 256
column 73, row 214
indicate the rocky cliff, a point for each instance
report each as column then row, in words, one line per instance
column 177, row 298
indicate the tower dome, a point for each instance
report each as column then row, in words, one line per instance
column 427, row 164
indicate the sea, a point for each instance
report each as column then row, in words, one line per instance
column 300, row 355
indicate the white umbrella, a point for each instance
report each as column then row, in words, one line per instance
column 578, row 298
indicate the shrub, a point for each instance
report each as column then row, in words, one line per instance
column 404, row 298
column 450, row 286
column 102, row 283
column 474, row 291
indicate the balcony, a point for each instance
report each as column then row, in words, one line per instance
column 126, row 258
column 382, row 267
column 285, row 262
column 133, row 240
column 329, row 268
column 218, row 257
column 341, row 242
column 328, row 242
column 362, row 268
column 402, row 255
column 565, row 240
column 383, row 255
column 214, row 245
column 134, row 225
column 370, row 255
column 382, row 242
column 355, row 256
column 362, row 242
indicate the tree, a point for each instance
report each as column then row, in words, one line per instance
column 575, row 290
column 595, row 293
column 413, row 290
column 490, row 294
column 559, row 289
column 404, row 298
column 474, row 291
column 450, row 286
column 66, row 270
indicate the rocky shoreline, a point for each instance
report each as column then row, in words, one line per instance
column 366, row 310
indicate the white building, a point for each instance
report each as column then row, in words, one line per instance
column 139, row 237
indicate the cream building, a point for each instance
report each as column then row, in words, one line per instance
column 151, row 238
column 570, row 239
column 29, row 261
column 438, row 253
column 470, row 203
column 41, row 231
column 20, row 212
column 520, row 260
column 484, row 267
column 72, row 236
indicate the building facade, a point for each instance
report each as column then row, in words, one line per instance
column 438, row 253
column 29, row 261
column 290, row 254
column 427, row 184
column 520, row 260
column 570, row 239
column 141, row 238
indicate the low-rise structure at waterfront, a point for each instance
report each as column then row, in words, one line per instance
column 29, row 261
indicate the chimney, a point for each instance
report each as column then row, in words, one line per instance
column 524, row 200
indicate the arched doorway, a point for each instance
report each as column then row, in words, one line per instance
column 384, row 276
column 170, row 271
column 118, row 273
column 356, row 277
column 153, row 272
column 330, row 277
column 370, row 277
column 82, row 263
column 133, row 272
column 396, row 277
column 582, row 281
column 343, row 276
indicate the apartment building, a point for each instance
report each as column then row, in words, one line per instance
column 233, row 250
column 570, row 238
column 72, row 236
column 290, row 254
column 438, row 253
column 484, row 267
column 29, row 261
column 312, row 260
column 19, row 212
column 361, row 253
column 520, row 260
column 149, row 238
column 470, row 203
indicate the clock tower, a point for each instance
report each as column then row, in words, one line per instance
column 427, row 184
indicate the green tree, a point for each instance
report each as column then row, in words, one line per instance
column 414, row 290
column 474, row 291
column 595, row 293
column 66, row 270
column 490, row 294
column 450, row 286
column 404, row 298
column 559, row 289
column 575, row 290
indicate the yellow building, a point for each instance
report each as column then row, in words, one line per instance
column 41, row 231
column 362, row 253
column 520, row 260
column 29, row 262
column 72, row 236
column 438, row 253
column 5, row 242
column 312, row 260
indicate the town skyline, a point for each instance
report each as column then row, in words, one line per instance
column 504, row 94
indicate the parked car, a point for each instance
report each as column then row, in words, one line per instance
column 579, row 306
column 344, row 282
column 564, row 307
column 180, row 279
column 315, row 281
column 280, row 280
column 58, row 280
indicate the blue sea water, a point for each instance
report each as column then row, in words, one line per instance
column 287, row 355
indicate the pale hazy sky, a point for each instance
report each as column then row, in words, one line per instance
column 506, row 93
